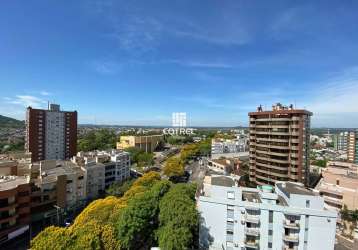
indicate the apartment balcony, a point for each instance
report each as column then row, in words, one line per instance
column 273, row 119
column 295, row 140
column 294, row 155
column 254, row 231
column 268, row 179
column 230, row 237
column 271, row 133
column 294, row 162
column 252, row 218
column 271, row 146
column 252, row 244
column 272, row 153
column 291, row 225
column 272, row 139
column 271, row 173
column 271, row 160
column 271, row 166
column 289, row 248
column 333, row 200
column 291, row 238
column 295, row 126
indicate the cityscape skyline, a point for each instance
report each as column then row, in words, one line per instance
column 118, row 63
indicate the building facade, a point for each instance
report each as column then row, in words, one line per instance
column 290, row 217
column 147, row 143
column 51, row 134
column 352, row 147
column 279, row 145
column 57, row 183
column 222, row 146
column 14, row 206
column 115, row 165
column 340, row 141
column 339, row 185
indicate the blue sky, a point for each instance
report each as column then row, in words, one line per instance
column 136, row 62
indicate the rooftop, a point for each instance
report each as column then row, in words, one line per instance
column 251, row 196
column 278, row 108
column 11, row 182
column 219, row 180
column 294, row 188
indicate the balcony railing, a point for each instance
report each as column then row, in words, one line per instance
column 252, row 231
column 289, row 224
column 290, row 237
column 289, row 248
column 252, row 218
column 252, row 244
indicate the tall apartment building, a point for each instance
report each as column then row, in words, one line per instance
column 340, row 141
column 352, row 147
column 14, row 206
column 51, row 134
column 279, row 145
column 290, row 218
column 147, row 143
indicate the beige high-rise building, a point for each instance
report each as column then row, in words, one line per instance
column 352, row 147
column 279, row 145
column 147, row 143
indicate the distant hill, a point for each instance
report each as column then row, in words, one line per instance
column 7, row 122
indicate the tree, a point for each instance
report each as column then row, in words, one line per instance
column 137, row 222
column 119, row 189
column 140, row 157
column 92, row 235
column 94, row 227
column 101, row 140
column 174, row 166
column 178, row 218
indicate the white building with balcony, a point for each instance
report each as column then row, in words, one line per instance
column 290, row 217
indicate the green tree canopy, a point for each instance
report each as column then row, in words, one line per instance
column 101, row 140
column 174, row 166
column 178, row 218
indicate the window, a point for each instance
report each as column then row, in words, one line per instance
column 270, row 216
column 269, row 245
column 231, row 195
column 307, row 203
column 270, row 232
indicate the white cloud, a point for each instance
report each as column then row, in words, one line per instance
column 45, row 93
column 26, row 100
column 336, row 100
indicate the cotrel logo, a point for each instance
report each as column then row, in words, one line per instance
column 179, row 120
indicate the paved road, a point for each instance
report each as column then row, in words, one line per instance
column 197, row 172
column 344, row 244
